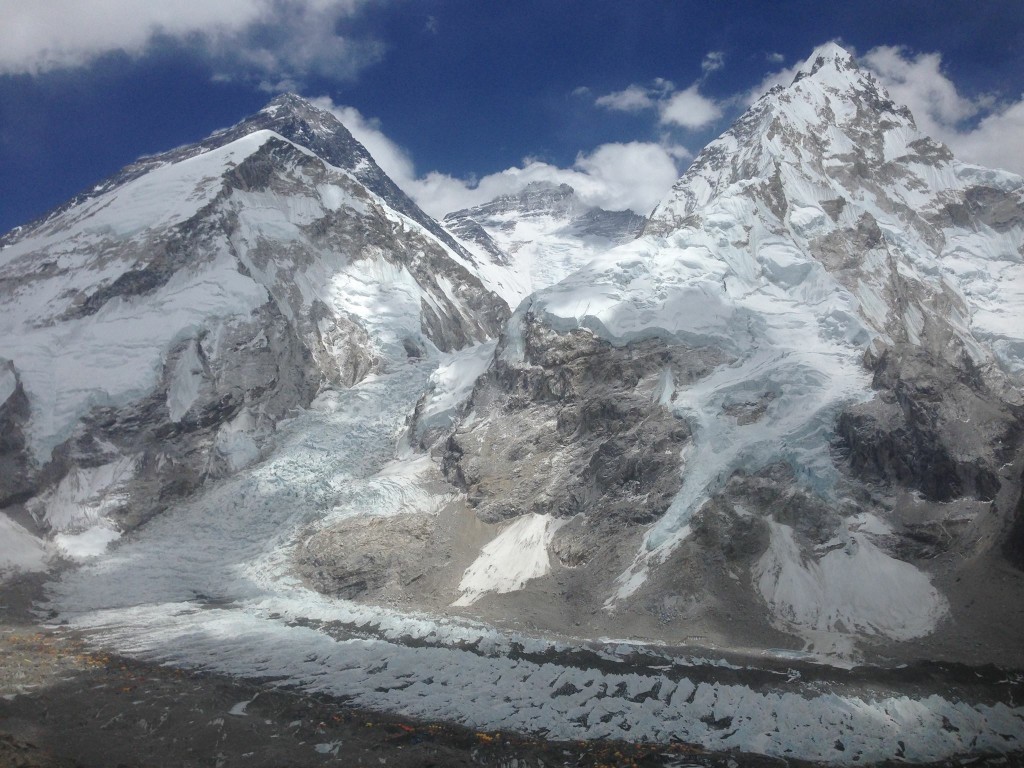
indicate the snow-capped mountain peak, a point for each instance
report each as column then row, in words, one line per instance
column 820, row 272
column 830, row 56
column 156, row 327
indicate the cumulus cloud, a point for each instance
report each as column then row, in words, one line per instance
column 616, row 176
column 688, row 108
column 265, row 39
column 635, row 98
column 635, row 175
column 918, row 82
column 997, row 141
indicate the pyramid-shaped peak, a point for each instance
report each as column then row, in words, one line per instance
column 293, row 104
column 827, row 58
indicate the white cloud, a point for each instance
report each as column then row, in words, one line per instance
column 774, row 57
column 996, row 142
column 979, row 130
column 713, row 61
column 689, row 109
column 633, row 99
column 634, row 175
column 279, row 39
column 918, row 82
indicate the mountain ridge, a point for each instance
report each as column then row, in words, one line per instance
column 778, row 338
column 197, row 296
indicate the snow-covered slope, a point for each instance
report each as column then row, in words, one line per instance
column 529, row 240
column 155, row 328
column 827, row 311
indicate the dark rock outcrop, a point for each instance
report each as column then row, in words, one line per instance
column 933, row 427
column 575, row 429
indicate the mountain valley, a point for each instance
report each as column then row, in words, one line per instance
column 745, row 474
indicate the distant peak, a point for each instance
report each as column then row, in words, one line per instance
column 830, row 57
column 289, row 102
column 547, row 186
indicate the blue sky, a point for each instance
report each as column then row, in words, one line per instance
column 460, row 100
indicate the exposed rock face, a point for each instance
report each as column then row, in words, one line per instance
column 158, row 326
column 526, row 241
column 15, row 483
column 933, row 427
column 366, row 555
column 1013, row 546
column 576, row 428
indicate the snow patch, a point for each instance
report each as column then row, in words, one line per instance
column 853, row 588
column 451, row 385
column 186, row 379
column 235, row 442
column 87, row 544
column 20, row 551
column 85, row 496
column 515, row 556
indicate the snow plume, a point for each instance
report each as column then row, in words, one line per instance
column 273, row 41
column 633, row 175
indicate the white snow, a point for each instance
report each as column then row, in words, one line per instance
column 20, row 551
column 853, row 588
column 238, row 710
column 452, row 384
column 151, row 597
column 543, row 247
column 85, row 496
column 164, row 196
column 732, row 260
column 235, row 441
column 515, row 556
column 88, row 543
column 186, row 379
column 208, row 584
column 115, row 355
